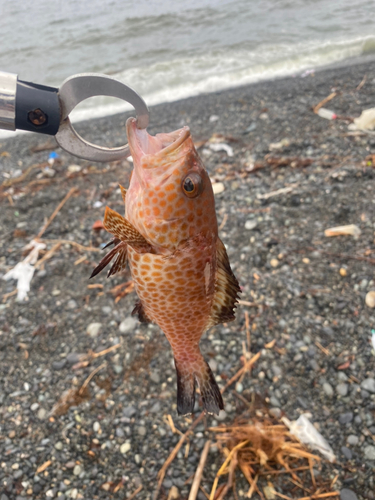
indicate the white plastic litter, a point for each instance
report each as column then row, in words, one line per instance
column 327, row 114
column 365, row 122
column 304, row 430
column 24, row 270
column 221, row 146
column 349, row 230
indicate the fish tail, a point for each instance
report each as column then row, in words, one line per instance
column 187, row 374
column 185, row 389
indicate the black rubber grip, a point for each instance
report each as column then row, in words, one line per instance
column 37, row 108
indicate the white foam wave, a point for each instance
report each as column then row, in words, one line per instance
column 221, row 69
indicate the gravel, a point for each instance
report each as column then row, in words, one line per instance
column 321, row 362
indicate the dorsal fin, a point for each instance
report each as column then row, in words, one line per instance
column 140, row 312
column 123, row 192
column 226, row 289
column 121, row 228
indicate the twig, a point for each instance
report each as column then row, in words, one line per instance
column 363, row 81
column 222, row 469
column 135, row 493
column 56, row 211
column 73, row 243
column 247, row 303
column 10, row 294
column 246, row 366
column 80, row 260
column 321, row 495
column 284, row 190
column 173, row 455
column 198, row 474
column 323, row 349
column 92, row 374
column 16, row 180
column 225, row 218
column 48, row 255
column 324, row 101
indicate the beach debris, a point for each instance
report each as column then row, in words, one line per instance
column 364, row 122
column 370, row 299
column 279, row 145
column 250, row 128
column 349, row 230
column 327, row 114
column 324, row 101
column 74, row 168
column 373, row 339
column 308, row 72
column 199, row 472
column 214, row 118
column 305, row 432
column 271, row 194
column 218, row 187
column 52, row 158
column 262, row 448
column 24, row 270
column 221, row 146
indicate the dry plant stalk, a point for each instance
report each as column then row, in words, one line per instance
column 263, row 448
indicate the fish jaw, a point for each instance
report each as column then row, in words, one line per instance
column 156, row 203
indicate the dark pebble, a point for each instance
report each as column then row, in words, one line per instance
column 129, row 411
column 73, row 357
column 58, row 365
column 346, row 494
column 345, row 418
column 346, row 452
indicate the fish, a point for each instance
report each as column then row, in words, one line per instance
column 179, row 265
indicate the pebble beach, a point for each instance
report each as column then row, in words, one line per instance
column 88, row 394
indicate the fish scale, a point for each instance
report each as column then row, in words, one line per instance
column 179, row 266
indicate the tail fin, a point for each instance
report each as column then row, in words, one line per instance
column 210, row 392
column 185, row 390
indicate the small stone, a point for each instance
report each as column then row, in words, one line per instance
column 12, row 434
column 129, row 411
column 251, row 224
column 72, row 304
column 352, row 440
column 369, row 452
column 94, row 329
column 346, row 452
column 119, row 432
column 342, row 389
column 274, row 262
column 327, row 388
column 73, row 357
column 96, row 427
column 218, row 187
column 128, row 325
column 346, row 494
column 59, row 446
column 42, row 413
column 346, row 418
column 55, row 293
column 239, row 387
column 343, row 271
column 34, row 406
column 107, row 310
column 125, row 448
column 274, row 401
column 77, row 470
column 155, row 377
column 306, row 260
column 370, row 299
column 142, row 431
column 368, row 385
column 15, row 466
column 156, row 407
column 213, row 364
column 275, row 412
column 58, row 365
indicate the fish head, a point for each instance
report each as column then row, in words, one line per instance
column 170, row 198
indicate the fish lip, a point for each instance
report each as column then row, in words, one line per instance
column 139, row 140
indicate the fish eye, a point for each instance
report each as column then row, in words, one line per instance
column 192, row 185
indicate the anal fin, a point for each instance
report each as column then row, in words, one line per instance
column 140, row 312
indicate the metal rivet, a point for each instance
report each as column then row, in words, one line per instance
column 37, row 117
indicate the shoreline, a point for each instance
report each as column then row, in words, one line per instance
column 360, row 62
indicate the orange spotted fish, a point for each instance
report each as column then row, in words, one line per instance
column 179, row 265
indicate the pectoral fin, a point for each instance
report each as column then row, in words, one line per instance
column 120, row 254
column 121, row 228
column 226, row 289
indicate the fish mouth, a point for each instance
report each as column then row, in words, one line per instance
column 160, row 145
